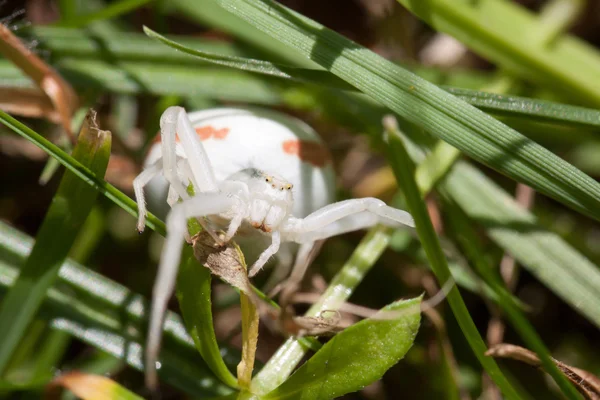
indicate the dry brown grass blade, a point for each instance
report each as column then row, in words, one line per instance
column 57, row 90
column 585, row 382
column 88, row 387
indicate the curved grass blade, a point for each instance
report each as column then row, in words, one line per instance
column 562, row 123
column 109, row 317
column 355, row 357
column 69, row 209
column 318, row 77
column 443, row 115
column 81, row 171
column 500, row 105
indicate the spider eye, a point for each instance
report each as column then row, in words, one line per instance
column 288, row 186
column 268, row 179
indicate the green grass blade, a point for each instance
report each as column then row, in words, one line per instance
column 193, row 293
column 515, row 38
column 213, row 15
column 66, row 215
column 463, row 228
column 110, row 317
column 114, row 10
column 81, row 171
column 532, row 110
column 257, row 66
column 543, row 253
column 404, row 171
column 356, row 357
column 443, row 115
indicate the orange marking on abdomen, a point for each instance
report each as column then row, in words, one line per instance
column 311, row 152
column 206, row 132
column 203, row 132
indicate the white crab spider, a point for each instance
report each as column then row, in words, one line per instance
column 243, row 175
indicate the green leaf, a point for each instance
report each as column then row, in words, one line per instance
column 356, row 357
column 364, row 257
column 443, row 115
column 110, row 317
column 67, row 213
column 193, row 293
column 404, row 171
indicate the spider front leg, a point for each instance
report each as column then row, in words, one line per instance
column 265, row 255
column 174, row 123
column 202, row 204
column 342, row 217
column 138, row 187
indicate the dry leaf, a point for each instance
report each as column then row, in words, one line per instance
column 585, row 382
column 89, row 387
column 56, row 90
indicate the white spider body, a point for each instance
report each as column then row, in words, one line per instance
column 243, row 167
column 235, row 139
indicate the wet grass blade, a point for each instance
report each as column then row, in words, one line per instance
column 67, row 213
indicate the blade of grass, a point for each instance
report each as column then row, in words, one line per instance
column 404, row 170
column 515, row 38
column 81, row 171
column 500, row 105
column 462, row 227
column 114, row 10
column 110, row 317
column 193, row 293
column 443, row 115
column 543, row 253
column 69, row 210
column 258, row 66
